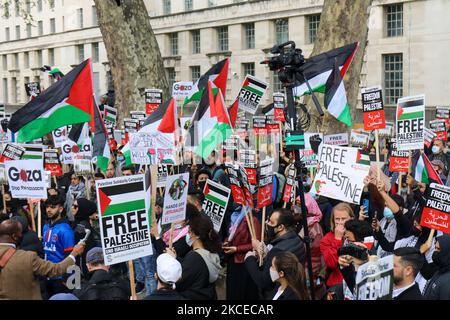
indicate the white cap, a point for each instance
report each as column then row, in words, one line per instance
column 168, row 269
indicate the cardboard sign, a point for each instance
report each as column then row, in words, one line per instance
column 443, row 113
column 26, row 179
column 175, row 198
column 163, row 172
column 52, row 163
column 288, row 193
column 59, row 136
column 429, row 136
column 387, row 132
column 313, row 141
column 124, row 220
column 436, row 214
column 215, row 203
column 373, row 112
column 33, row 89
column 182, row 89
column 399, row 160
column 246, row 186
column 153, row 98
column 33, row 151
column 264, row 196
column 375, row 280
column 410, row 122
column 251, row 94
column 439, row 128
column 131, row 125
column 70, row 148
column 340, row 139
column 341, row 173
column 3, row 175
column 259, row 126
column 138, row 115
column 231, row 143
column 82, row 165
column 110, row 115
column 279, row 104
column 11, row 152
column 236, row 189
column 359, row 139
column 151, row 148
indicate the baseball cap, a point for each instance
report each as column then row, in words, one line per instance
column 168, row 269
column 95, row 255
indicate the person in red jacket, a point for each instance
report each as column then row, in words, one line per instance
column 333, row 240
column 240, row 285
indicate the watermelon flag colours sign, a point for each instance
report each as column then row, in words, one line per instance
column 410, row 122
column 251, row 94
column 175, row 198
column 26, row 179
column 124, row 219
column 399, row 160
column 110, row 115
column 215, row 203
column 436, row 213
column 341, row 173
column 375, row 280
column 373, row 112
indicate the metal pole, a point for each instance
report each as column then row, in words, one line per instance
column 298, row 165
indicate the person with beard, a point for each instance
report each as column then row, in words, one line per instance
column 438, row 287
column 58, row 241
column 30, row 240
column 407, row 264
column 282, row 235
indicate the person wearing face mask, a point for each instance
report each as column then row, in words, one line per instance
column 440, row 169
column 437, row 153
column 289, row 275
column 200, row 179
column 20, row 269
column 438, row 287
column 12, row 206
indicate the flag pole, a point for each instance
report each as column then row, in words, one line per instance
column 3, row 195
column 263, row 222
column 33, row 222
column 132, row 284
column 377, row 154
column 39, row 230
column 409, row 167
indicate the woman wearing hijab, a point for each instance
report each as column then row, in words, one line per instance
column 77, row 189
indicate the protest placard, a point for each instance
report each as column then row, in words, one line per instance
column 436, row 213
column 3, row 175
column 231, row 143
column 138, row 115
column 33, row 151
column 131, row 125
column 429, row 136
column 373, row 112
column 12, row 152
column 153, row 98
column 264, row 195
column 215, row 203
column 163, row 172
column 151, row 148
column 288, row 194
column 410, row 122
column 26, row 178
column 248, row 160
column 251, row 94
column 375, row 280
column 308, row 155
column 82, row 164
column 70, row 148
column 59, row 136
column 124, row 221
column 399, row 160
column 33, row 89
column 359, row 139
column 246, row 186
column 339, row 139
column 181, row 89
column 388, row 131
column 443, row 113
column 279, row 104
column 341, row 173
column 110, row 115
column 52, row 163
column 236, row 189
column 175, row 198
column 259, row 125
column 439, row 128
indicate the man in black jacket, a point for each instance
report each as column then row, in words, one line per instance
column 282, row 236
column 30, row 241
column 407, row 264
column 438, row 287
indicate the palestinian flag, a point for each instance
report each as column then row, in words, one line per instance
column 253, row 85
column 79, row 132
column 336, row 98
column 410, row 109
column 425, row 172
column 214, row 193
column 318, row 69
column 217, row 75
column 123, row 198
column 233, row 112
column 363, row 158
column 67, row 101
column 32, row 151
column 110, row 115
column 101, row 153
column 212, row 123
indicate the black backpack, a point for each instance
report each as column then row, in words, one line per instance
column 105, row 290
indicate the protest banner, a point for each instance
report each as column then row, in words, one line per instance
column 399, row 160
column 236, row 189
column 11, row 152
column 215, row 203
column 429, row 136
column 339, row 139
column 375, row 280
column 341, row 173
column 443, row 113
column 410, row 122
column 388, row 131
column 131, row 125
column 359, row 139
column 182, row 89
column 151, row 148
column 26, row 178
column 279, row 104
column 439, row 128
column 153, row 98
column 33, row 89
column 436, row 213
column 313, row 141
column 138, row 115
column 59, row 136
column 124, row 222
column 110, row 115
column 251, row 94
column 373, row 112
column 52, row 163
column 175, row 198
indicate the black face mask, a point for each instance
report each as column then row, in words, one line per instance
column 416, row 232
column 437, row 259
column 271, row 234
column 201, row 185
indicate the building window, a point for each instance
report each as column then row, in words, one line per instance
column 5, row 62
column 40, row 28
column 277, row 84
column 96, row 82
column 166, row 7
column 249, row 35
column 282, row 30
column 17, row 32
column 80, row 17
column 26, row 80
column 52, row 4
column 39, row 5
column 313, row 27
column 173, row 39
column 248, row 68
column 28, row 30
column 393, row 77
column 16, row 61
column 222, row 37
column 80, row 52
column 17, row 7
column 39, row 58
column 52, row 25
column 196, row 48
column 211, row 3
column 188, row 5
column 28, row 6
column 394, row 20
column 14, row 90
column 7, row 34
column 5, row 90
column 171, row 76
column 51, row 57
column 26, row 60
column 94, row 16
column 95, row 53
column 195, row 73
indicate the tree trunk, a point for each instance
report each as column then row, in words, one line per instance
column 133, row 53
column 343, row 22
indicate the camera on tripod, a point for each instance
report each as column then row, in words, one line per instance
column 286, row 62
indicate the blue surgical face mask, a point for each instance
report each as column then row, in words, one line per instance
column 189, row 240
column 120, row 158
column 388, row 214
column 435, row 149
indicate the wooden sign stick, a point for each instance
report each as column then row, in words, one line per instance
column 132, row 284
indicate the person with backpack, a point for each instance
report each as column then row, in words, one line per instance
column 102, row 285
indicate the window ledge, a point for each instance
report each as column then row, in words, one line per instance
column 219, row 53
column 172, row 58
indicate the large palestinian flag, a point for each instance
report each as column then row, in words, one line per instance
column 68, row 101
column 424, row 171
column 217, row 75
column 318, row 69
column 101, row 152
column 121, row 198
